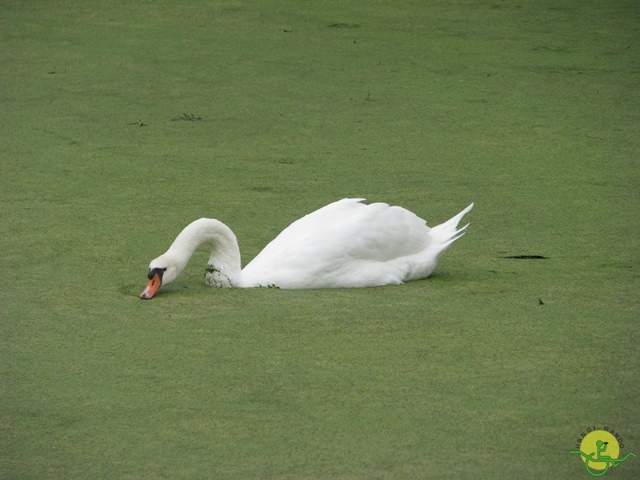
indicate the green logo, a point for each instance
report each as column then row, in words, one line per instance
column 600, row 450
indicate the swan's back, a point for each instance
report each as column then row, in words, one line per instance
column 352, row 244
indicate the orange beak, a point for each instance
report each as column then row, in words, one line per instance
column 155, row 280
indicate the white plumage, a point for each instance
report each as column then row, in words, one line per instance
column 344, row 244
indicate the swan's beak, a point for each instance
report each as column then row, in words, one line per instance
column 155, row 280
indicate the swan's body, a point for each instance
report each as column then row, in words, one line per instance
column 345, row 244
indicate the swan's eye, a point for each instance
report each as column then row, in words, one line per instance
column 156, row 271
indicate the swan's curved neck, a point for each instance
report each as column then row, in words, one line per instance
column 224, row 267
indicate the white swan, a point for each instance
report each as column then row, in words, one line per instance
column 345, row 244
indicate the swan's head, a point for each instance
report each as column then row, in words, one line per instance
column 162, row 270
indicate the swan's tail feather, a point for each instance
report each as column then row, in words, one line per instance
column 448, row 232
